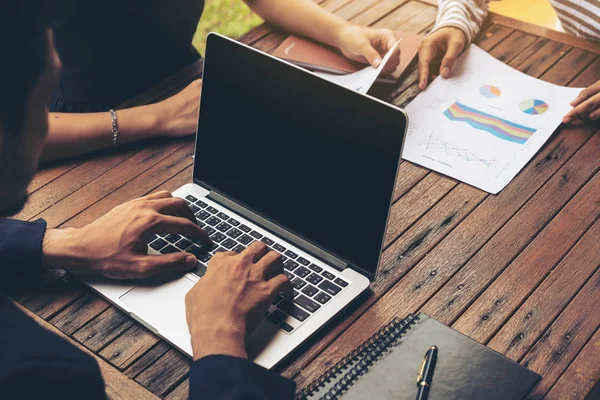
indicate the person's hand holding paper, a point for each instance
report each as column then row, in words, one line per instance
column 367, row 45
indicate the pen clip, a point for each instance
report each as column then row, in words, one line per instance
column 422, row 370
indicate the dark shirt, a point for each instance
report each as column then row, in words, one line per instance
column 36, row 364
column 112, row 50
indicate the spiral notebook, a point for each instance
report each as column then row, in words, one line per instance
column 386, row 367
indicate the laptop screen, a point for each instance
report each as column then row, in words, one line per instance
column 313, row 157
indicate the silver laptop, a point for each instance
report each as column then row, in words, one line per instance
column 290, row 159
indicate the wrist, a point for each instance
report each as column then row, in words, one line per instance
column 139, row 123
column 340, row 31
column 212, row 339
column 62, row 249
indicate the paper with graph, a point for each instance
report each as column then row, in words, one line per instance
column 485, row 123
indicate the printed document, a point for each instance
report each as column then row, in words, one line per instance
column 483, row 125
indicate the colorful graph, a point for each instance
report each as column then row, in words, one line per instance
column 434, row 143
column 490, row 91
column 497, row 126
column 533, row 106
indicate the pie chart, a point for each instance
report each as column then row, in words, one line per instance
column 533, row 106
column 490, row 91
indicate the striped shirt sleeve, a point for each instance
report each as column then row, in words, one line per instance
column 466, row 15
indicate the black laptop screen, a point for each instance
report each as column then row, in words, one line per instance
column 313, row 157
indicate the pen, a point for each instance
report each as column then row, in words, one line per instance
column 425, row 376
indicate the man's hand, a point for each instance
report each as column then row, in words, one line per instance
column 231, row 299
column 178, row 115
column 438, row 52
column 586, row 105
column 368, row 45
column 115, row 245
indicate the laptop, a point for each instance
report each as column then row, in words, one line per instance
column 287, row 158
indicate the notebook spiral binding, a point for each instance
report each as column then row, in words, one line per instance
column 368, row 353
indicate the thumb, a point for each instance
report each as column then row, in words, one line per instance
column 372, row 55
column 454, row 49
column 179, row 261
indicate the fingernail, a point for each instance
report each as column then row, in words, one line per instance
column 190, row 261
column 566, row 120
column 376, row 62
column 445, row 72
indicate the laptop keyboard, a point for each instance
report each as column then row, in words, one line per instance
column 313, row 285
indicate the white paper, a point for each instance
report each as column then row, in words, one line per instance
column 362, row 80
column 485, row 123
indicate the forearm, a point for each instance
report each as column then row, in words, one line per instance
column 303, row 17
column 466, row 15
column 74, row 134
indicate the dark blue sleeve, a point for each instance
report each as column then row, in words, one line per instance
column 229, row 378
column 21, row 247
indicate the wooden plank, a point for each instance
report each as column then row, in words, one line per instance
column 181, row 392
column 450, row 302
column 402, row 14
column 130, row 346
column 49, row 172
column 378, row 11
column 110, row 181
column 500, row 300
column 576, row 61
column 580, row 377
column 116, row 385
column 84, row 309
column 563, row 340
column 166, row 373
column 57, row 296
column 148, row 359
column 98, row 333
column 544, row 32
column 535, row 315
column 444, row 260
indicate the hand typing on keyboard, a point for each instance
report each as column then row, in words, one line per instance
column 230, row 300
column 115, row 245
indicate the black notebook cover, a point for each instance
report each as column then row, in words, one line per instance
column 464, row 369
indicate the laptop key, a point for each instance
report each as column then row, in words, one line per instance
column 200, row 270
column 173, row 238
column 310, row 290
column 322, row 298
column 303, row 261
column 213, row 221
column 293, row 310
column 200, row 224
column 276, row 317
column 314, row 279
column 298, row 283
column 315, row 268
column 239, row 248
column 169, row 249
column 220, row 250
column 302, row 272
column 329, row 287
column 328, row 275
column 277, row 299
column 201, row 204
column 245, row 239
column 289, row 275
column 191, row 198
column 267, row 241
column 202, row 215
column 290, row 265
column 279, row 247
column 233, row 222
column 341, row 282
column 194, row 208
column 211, row 248
column 218, row 237
column 286, row 327
column 197, row 251
column 183, row 244
column 205, row 258
column 255, row 235
column 158, row 244
column 209, row 231
column 228, row 243
column 212, row 210
column 291, row 254
column 234, row 233
column 307, row 303
column 245, row 228
column 223, row 227
column 222, row 215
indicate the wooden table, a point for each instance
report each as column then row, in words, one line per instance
column 518, row 271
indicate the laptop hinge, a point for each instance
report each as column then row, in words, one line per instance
column 310, row 248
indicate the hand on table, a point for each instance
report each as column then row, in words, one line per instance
column 178, row 115
column 115, row 245
column 231, row 299
column 368, row 45
column 586, row 105
column 438, row 52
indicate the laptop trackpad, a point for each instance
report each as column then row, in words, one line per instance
column 162, row 307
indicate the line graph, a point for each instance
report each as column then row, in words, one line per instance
column 434, row 143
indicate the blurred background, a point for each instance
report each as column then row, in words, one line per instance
column 233, row 18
